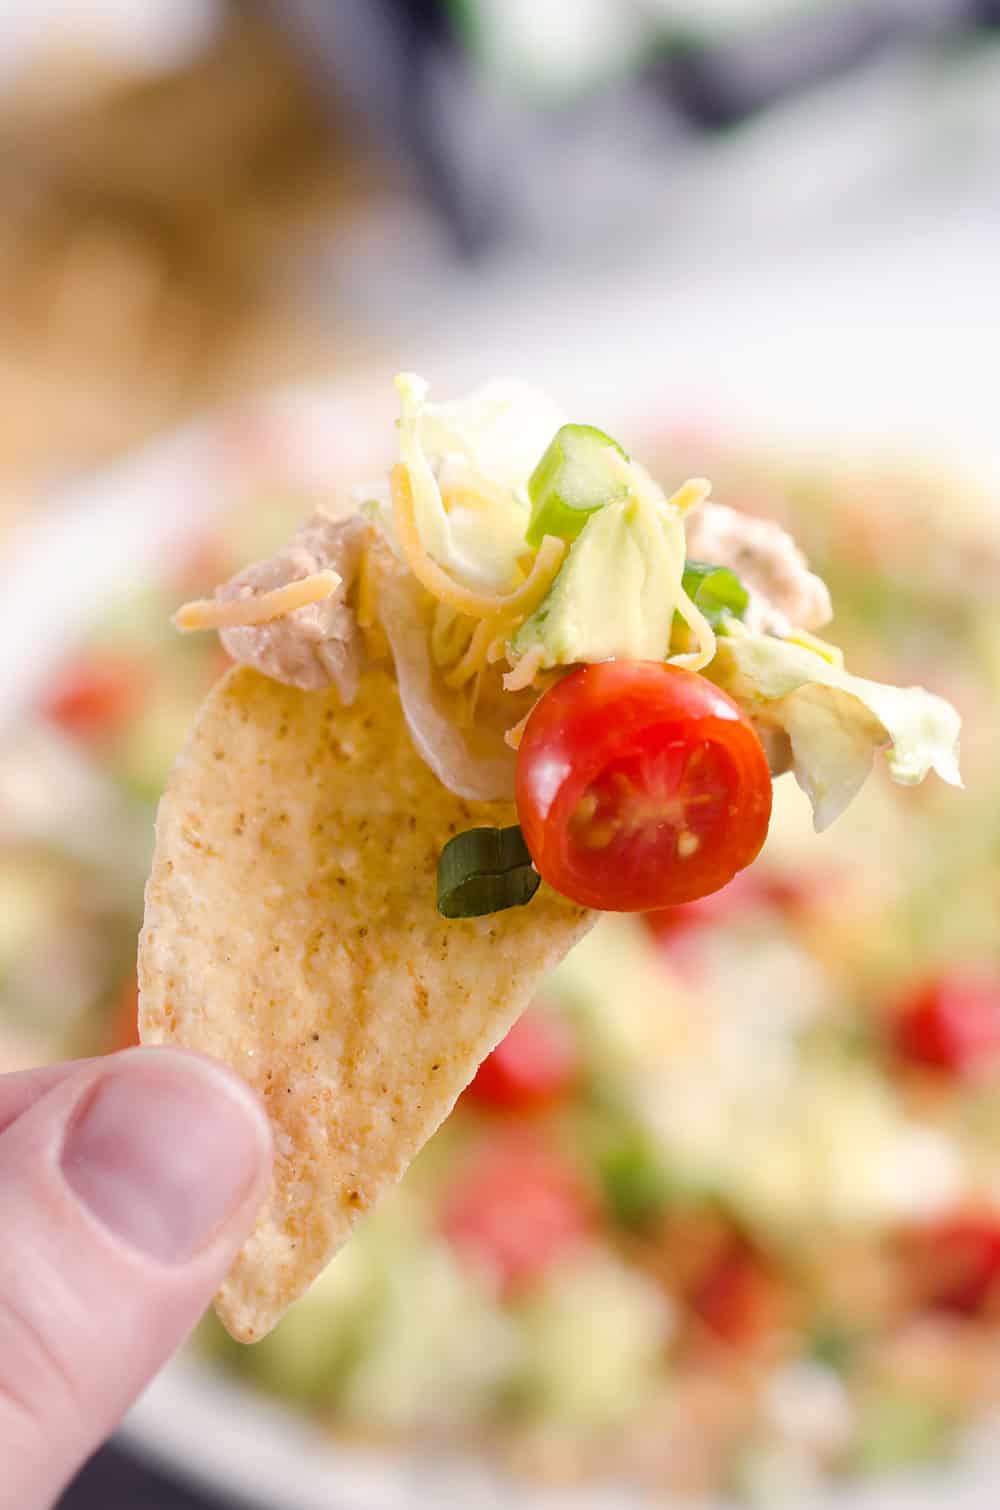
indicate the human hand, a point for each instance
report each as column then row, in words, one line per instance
column 127, row 1185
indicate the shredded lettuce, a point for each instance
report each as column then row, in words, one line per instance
column 484, row 446
column 835, row 722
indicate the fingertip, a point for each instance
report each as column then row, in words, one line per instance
column 166, row 1150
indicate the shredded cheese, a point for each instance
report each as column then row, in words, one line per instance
column 523, row 600
column 477, row 682
column 831, row 653
column 515, row 734
column 450, row 634
column 460, row 485
column 690, row 494
column 364, row 605
column 474, row 659
column 525, row 671
column 703, row 632
column 256, row 608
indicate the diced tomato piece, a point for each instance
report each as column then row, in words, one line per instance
column 532, row 1067
column 670, row 923
column 738, row 1299
column 518, row 1209
column 98, row 695
column 952, row 1024
column 792, row 895
column 955, row 1264
column 797, row 893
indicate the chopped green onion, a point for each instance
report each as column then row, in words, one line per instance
column 716, row 590
column 485, row 870
column 833, row 1347
column 636, row 1185
column 572, row 480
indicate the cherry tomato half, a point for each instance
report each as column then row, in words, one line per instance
column 640, row 785
column 532, row 1067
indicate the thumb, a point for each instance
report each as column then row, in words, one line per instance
column 126, row 1189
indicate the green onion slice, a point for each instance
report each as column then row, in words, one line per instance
column 485, row 870
column 716, row 590
column 571, row 481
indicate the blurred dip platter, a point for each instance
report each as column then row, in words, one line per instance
column 721, row 1217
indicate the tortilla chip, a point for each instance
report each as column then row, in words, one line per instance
column 291, row 930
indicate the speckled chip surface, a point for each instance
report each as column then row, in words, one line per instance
column 291, row 930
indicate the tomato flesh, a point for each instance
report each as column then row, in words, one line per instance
column 640, row 785
column 532, row 1067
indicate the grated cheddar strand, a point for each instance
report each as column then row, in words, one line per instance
column 690, row 494
column 450, row 634
column 523, row 600
column 364, row 605
column 515, row 733
column 474, row 659
column 256, row 608
column 524, row 671
column 829, row 652
column 703, row 632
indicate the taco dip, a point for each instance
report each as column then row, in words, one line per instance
column 718, row 1213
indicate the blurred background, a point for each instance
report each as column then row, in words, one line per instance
column 720, row 1222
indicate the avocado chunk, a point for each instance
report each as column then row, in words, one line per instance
column 616, row 592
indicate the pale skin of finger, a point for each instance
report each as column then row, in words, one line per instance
column 25, row 1087
column 127, row 1186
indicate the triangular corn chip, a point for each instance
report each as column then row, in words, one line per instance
column 291, row 930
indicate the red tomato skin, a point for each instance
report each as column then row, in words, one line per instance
column 96, row 696
column 951, row 1024
column 517, row 1210
column 532, row 1067
column 597, row 716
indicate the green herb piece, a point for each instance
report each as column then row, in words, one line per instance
column 716, row 590
column 572, row 480
column 636, row 1185
column 833, row 1347
column 485, row 870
